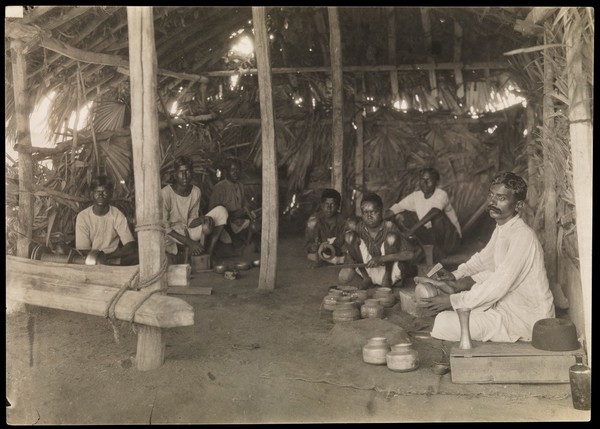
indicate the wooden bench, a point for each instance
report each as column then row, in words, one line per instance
column 90, row 290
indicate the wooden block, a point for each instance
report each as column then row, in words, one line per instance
column 518, row 362
column 179, row 275
column 178, row 290
column 407, row 300
column 200, row 263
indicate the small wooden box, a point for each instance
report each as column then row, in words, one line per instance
column 200, row 263
column 518, row 362
column 179, row 275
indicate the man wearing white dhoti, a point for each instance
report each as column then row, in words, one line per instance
column 511, row 290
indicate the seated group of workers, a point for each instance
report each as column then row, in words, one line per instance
column 101, row 226
column 505, row 284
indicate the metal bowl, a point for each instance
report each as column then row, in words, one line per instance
column 221, row 268
column 256, row 263
column 243, row 265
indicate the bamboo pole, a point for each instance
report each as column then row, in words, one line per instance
column 426, row 22
column 581, row 131
column 146, row 169
column 270, row 200
column 550, row 227
column 23, row 109
column 532, row 175
column 335, row 51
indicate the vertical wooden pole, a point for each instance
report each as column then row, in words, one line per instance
column 458, row 75
column 270, row 192
column 532, row 174
column 359, row 157
column 335, row 50
column 392, row 54
column 426, row 22
column 550, row 227
column 581, row 131
column 146, row 169
column 22, row 110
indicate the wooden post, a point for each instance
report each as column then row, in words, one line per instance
column 335, row 51
column 458, row 76
column 532, row 175
column 581, row 131
column 392, row 54
column 146, row 169
column 22, row 110
column 359, row 157
column 426, row 21
column 270, row 200
column 550, row 227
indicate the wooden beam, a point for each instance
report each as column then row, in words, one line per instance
column 270, row 200
column 146, row 169
column 73, row 13
column 77, row 54
column 22, row 111
column 157, row 312
column 426, row 22
column 337, row 132
column 581, row 132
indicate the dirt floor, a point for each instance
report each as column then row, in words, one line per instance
column 251, row 357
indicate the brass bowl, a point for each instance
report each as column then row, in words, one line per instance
column 243, row 265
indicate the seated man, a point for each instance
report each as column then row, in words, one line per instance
column 242, row 225
column 509, row 289
column 325, row 229
column 186, row 227
column 377, row 243
column 435, row 222
column 101, row 226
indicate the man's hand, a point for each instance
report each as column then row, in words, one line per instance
column 447, row 286
column 445, row 275
column 198, row 221
column 375, row 262
column 436, row 303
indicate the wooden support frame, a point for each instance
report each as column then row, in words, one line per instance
column 359, row 157
column 146, row 169
column 337, row 134
column 270, row 201
column 22, row 108
column 581, row 132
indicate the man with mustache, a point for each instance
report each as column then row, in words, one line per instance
column 505, row 284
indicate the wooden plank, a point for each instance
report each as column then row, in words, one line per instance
column 194, row 290
column 458, row 76
column 581, row 137
column 426, row 22
column 337, row 132
column 519, row 348
column 146, row 169
column 270, row 200
column 22, row 111
column 157, row 311
column 511, row 369
column 392, row 53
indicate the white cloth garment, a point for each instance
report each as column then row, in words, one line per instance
column 416, row 202
column 179, row 212
column 101, row 232
column 511, row 293
column 377, row 273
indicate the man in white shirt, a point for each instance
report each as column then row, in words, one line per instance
column 185, row 226
column 510, row 291
column 101, row 226
column 436, row 222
